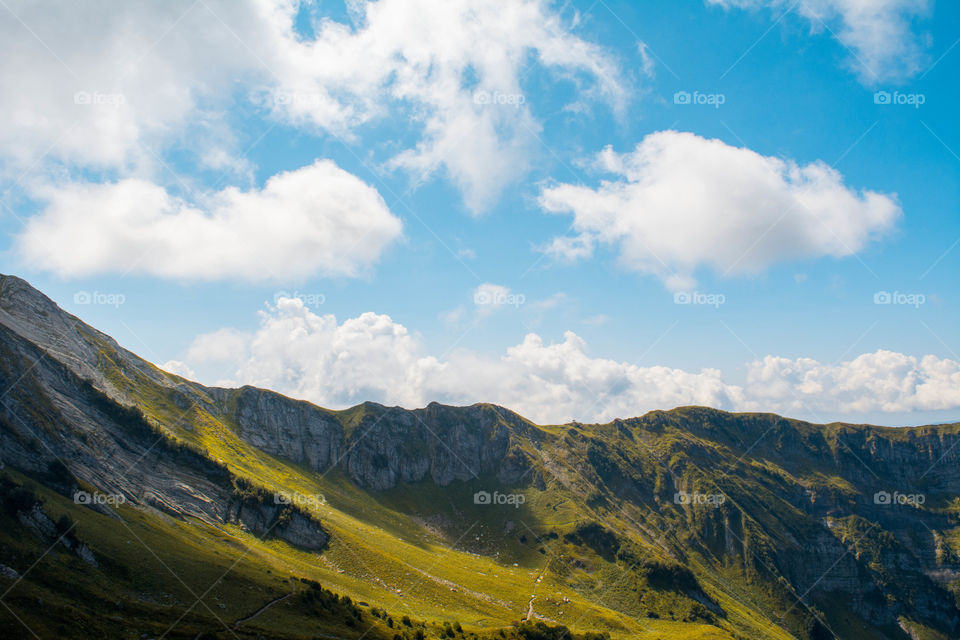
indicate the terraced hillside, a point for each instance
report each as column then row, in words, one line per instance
column 235, row 513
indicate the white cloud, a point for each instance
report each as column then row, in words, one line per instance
column 317, row 219
column 312, row 356
column 459, row 65
column 371, row 357
column 179, row 368
column 883, row 381
column 220, row 346
column 878, row 33
column 646, row 58
column 108, row 88
column 679, row 202
column 413, row 61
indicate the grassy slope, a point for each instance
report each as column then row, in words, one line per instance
column 380, row 555
column 457, row 562
column 152, row 570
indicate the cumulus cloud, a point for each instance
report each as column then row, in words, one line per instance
column 313, row 356
column 114, row 89
column 459, row 64
column 107, row 89
column 679, row 202
column 371, row 357
column 883, row 381
column 318, row 219
column 878, row 33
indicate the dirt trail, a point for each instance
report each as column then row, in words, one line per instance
column 260, row 610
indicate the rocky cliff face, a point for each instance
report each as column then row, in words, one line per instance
column 279, row 520
column 298, row 431
column 50, row 416
column 384, row 445
column 444, row 444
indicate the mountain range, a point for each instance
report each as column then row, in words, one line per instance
column 139, row 504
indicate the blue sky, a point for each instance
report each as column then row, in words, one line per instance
column 326, row 206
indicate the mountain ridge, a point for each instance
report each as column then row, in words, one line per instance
column 790, row 523
column 11, row 286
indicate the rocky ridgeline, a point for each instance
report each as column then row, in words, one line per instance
column 53, row 417
column 801, row 511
